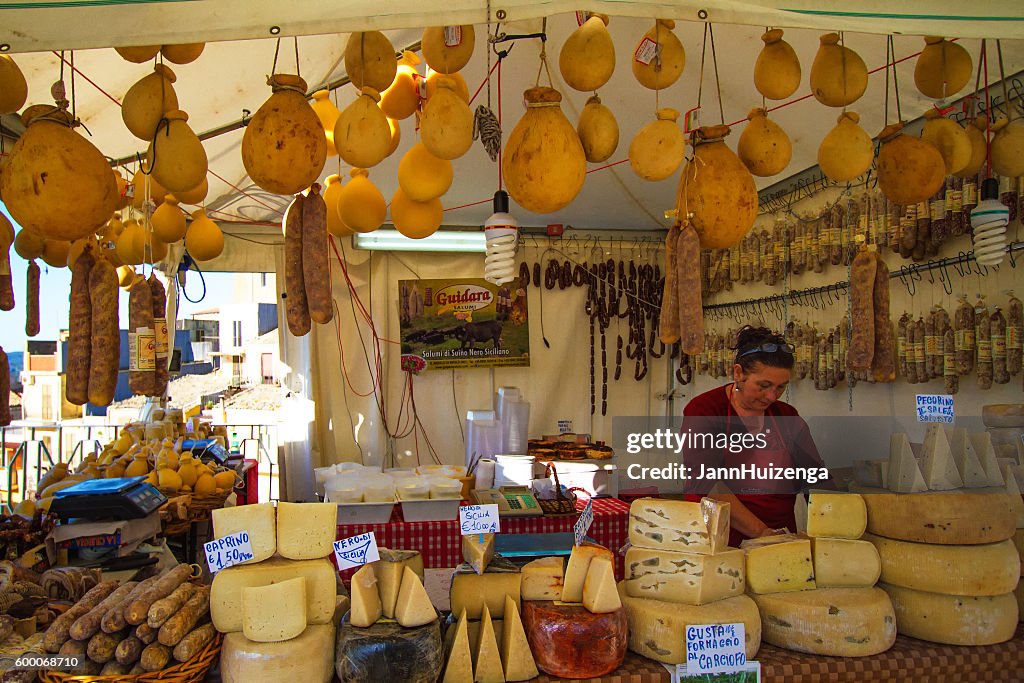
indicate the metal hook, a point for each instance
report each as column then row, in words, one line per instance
column 907, row 280
column 962, row 258
column 931, row 273
column 947, row 283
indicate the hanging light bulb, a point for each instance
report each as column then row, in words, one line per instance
column 988, row 221
column 501, row 231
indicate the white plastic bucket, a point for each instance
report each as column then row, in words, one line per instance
column 513, row 470
column 594, row 479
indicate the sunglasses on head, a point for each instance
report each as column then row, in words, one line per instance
column 769, row 347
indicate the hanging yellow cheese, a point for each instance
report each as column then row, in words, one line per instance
column 138, row 54
column 146, row 187
column 29, row 244
column 182, row 53
column 402, row 97
column 362, row 205
column 395, row 131
column 446, row 127
column 838, row 75
column 370, row 60
column 657, row 149
column 55, row 253
column 659, row 57
column 446, row 49
column 13, row 87
column 168, row 221
column 1007, row 149
column 461, row 89
column 910, row 170
column 333, row 191
column 598, row 131
column 949, row 138
column 203, row 239
column 362, row 135
column 943, row 68
column 77, row 247
column 283, row 148
column 544, row 164
column 777, row 69
column 423, row 176
column 587, row 58
column 328, row 115
column 176, row 155
column 976, row 134
column 716, row 193
column 764, row 148
column 415, row 220
column 847, row 151
column 55, row 181
column 148, row 100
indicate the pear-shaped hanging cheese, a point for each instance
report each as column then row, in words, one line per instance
column 203, row 239
column 764, row 148
column 396, row 135
column 139, row 54
column 943, row 68
column 415, row 220
column 657, row 149
column 716, row 195
column 446, row 49
column 423, row 176
column 182, row 53
column 13, row 87
column 362, row 206
column 148, row 100
column 460, row 87
column 333, row 191
column 194, row 195
column 362, row 135
column 659, row 57
column 284, row 148
column 543, row 163
column 370, row 60
column 168, row 221
column 402, row 97
column 838, row 75
column 55, row 253
column 777, row 69
column 176, row 155
column 847, row 151
column 587, row 59
column 328, row 115
column 949, row 138
column 130, row 243
column 910, row 170
column 1007, row 150
column 978, row 137
column 55, row 182
column 152, row 249
column 29, row 244
column 446, row 127
column 598, row 130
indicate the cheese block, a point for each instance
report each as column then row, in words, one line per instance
column 779, row 567
column 971, row 472
column 680, row 525
column 953, row 518
column 954, row 619
column 688, row 578
column 937, row 465
column 1018, row 542
column 836, row 515
column 986, row 452
column 973, row 570
column 471, row 591
column 458, row 667
column 599, row 594
column 387, row 653
column 308, row 658
column 516, row 659
column 486, row 656
column 1003, row 415
column 257, row 520
column 845, row 563
column 226, row 592
column 904, row 474
column 306, row 531
column 342, row 604
column 413, row 607
column 568, row 641
column 1019, row 594
column 478, row 550
column 576, row 570
column 1013, row 496
column 657, row 629
column 543, row 579
column 838, row 622
column 366, row 605
column 389, row 570
column 871, row 473
column 274, row 613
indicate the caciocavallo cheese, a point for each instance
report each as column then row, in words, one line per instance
column 954, row 619
column 687, row 578
column 679, row 525
column 845, row 563
column 226, row 591
column 306, row 531
column 836, row 515
column 309, row 658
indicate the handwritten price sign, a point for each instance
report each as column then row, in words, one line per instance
column 228, row 551
column 356, row 551
column 479, row 519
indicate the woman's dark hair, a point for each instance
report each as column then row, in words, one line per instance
column 748, row 352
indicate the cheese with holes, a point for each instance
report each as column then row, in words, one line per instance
column 991, row 569
column 226, row 592
column 487, row 657
column 258, row 521
column 845, row 563
column 904, row 474
column 366, row 607
column 778, row 567
column 274, row 613
column 567, row 641
column 599, row 593
column 306, row 531
column 471, row 591
column 953, row 518
column 543, row 579
column 308, row 658
column 576, row 570
column 954, row 619
column 1013, row 496
column 684, row 577
column 459, row 665
column 679, row 525
column 838, row 622
column 1018, row 542
column 657, row 629
column 516, row 658
column 937, row 465
column 986, row 452
column 389, row 570
column 971, row 472
column 836, row 515
column 414, row 607
column 387, row 652
column 478, row 550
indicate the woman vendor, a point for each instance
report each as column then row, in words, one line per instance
column 778, row 438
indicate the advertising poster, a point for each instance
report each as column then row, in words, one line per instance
column 463, row 323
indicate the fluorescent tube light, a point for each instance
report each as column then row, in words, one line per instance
column 442, row 240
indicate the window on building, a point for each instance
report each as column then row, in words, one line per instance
column 237, row 332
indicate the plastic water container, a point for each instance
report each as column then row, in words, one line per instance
column 515, row 423
column 513, row 470
column 483, row 435
column 343, row 491
column 444, row 487
column 413, row 489
column 505, row 394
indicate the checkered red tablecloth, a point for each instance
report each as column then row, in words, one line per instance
column 441, row 546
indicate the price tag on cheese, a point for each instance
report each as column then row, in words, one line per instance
column 479, row 519
column 935, row 408
column 228, row 551
column 582, row 525
column 356, row 551
column 715, row 648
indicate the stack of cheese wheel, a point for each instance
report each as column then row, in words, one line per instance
column 680, row 571
column 1004, row 423
column 278, row 609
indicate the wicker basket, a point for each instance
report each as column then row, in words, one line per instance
column 561, row 504
column 192, row 671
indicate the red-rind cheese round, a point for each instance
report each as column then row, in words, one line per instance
column 568, row 641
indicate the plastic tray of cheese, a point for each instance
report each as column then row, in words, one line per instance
column 430, row 509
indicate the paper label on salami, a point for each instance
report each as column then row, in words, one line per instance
column 938, row 209
column 647, row 51
column 931, row 344
column 1013, row 340
column 965, row 339
column 998, row 346
column 452, row 36
column 141, row 350
column 949, row 364
column 956, row 201
column 970, row 194
column 160, row 336
column 984, row 351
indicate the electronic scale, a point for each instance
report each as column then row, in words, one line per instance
column 118, row 498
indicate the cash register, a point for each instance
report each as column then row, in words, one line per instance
column 117, row 498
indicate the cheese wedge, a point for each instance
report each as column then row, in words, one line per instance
column 274, row 613
column 414, row 607
column 600, row 595
column 366, row 608
column 779, row 567
column 904, row 474
column 516, row 658
column 306, row 531
column 543, row 579
column 478, row 550
column 1013, row 493
column 983, row 448
column 487, row 663
column 937, row 464
column 576, row 571
column 389, row 571
column 836, row 515
column 971, row 472
column 459, row 668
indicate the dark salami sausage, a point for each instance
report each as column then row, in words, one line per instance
column 669, row 327
column 161, row 347
column 883, row 363
column 32, row 299
column 691, row 311
column 106, row 333
column 79, row 331
column 141, row 340
column 862, row 284
column 296, row 307
column 316, row 267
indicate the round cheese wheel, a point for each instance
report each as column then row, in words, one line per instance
column 953, row 619
column 1003, row 415
column 568, row 641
